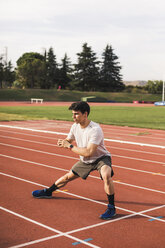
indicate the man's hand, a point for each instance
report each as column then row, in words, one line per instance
column 63, row 143
column 82, row 151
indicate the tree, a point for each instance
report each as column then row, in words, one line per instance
column 87, row 70
column 43, row 73
column 52, row 71
column 65, row 72
column 110, row 76
column 30, row 69
column 1, row 72
column 154, row 87
column 9, row 74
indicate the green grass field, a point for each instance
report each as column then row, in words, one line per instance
column 70, row 96
column 143, row 117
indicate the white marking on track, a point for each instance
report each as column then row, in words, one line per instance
column 112, row 147
column 88, row 227
column 126, row 184
column 55, row 154
column 46, row 227
column 83, row 197
column 61, row 133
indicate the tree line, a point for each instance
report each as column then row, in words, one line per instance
column 89, row 73
column 7, row 74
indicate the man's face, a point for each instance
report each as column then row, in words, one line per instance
column 78, row 117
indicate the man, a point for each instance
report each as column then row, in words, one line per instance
column 93, row 156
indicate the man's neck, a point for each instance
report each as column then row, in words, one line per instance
column 85, row 123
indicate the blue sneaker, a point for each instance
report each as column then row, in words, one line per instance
column 41, row 194
column 109, row 213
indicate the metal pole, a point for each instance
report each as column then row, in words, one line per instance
column 6, row 54
column 163, row 91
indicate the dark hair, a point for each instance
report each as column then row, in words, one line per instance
column 80, row 106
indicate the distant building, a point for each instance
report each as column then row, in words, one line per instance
column 135, row 83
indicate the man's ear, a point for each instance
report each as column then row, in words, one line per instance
column 86, row 114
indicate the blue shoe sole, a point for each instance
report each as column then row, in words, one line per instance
column 103, row 218
column 42, row 197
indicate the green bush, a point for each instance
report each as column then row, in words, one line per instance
column 17, row 85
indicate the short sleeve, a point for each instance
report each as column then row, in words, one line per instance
column 71, row 134
column 96, row 136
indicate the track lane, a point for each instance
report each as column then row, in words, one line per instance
column 121, row 233
column 55, row 126
column 125, row 196
column 126, row 153
column 61, row 158
column 123, row 152
column 51, row 138
column 24, row 169
column 50, row 159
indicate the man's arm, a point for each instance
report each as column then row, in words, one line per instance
column 82, row 151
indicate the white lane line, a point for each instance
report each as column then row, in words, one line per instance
column 89, row 227
column 133, row 150
column 139, row 187
column 57, row 168
column 61, row 155
column 131, row 130
column 71, row 194
column 112, row 147
column 137, row 170
column 48, row 144
column 27, row 134
column 32, row 162
column 36, row 241
column 33, row 130
column 143, row 135
column 33, row 150
column 61, row 133
column 139, row 159
column 47, row 227
column 135, row 143
column 31, row 141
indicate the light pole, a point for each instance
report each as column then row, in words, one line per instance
column 163, row 90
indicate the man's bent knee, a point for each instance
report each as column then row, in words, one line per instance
column 70, row 176
column 106, row 171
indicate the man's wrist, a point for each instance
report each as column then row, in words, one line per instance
column 71, row 146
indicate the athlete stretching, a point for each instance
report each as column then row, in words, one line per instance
column 93, row 156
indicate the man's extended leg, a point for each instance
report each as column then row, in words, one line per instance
column 109, row 189
column 61, row 182
column 68, row 177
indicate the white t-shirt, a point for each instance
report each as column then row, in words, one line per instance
column 91, row 134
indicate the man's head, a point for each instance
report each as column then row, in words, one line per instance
column 80, row 106
column 80, row 111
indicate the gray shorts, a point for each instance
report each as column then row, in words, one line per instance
column 82, row 169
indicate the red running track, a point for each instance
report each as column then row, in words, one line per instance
column 30, row 159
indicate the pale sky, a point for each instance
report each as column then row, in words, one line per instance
column 134, row 28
